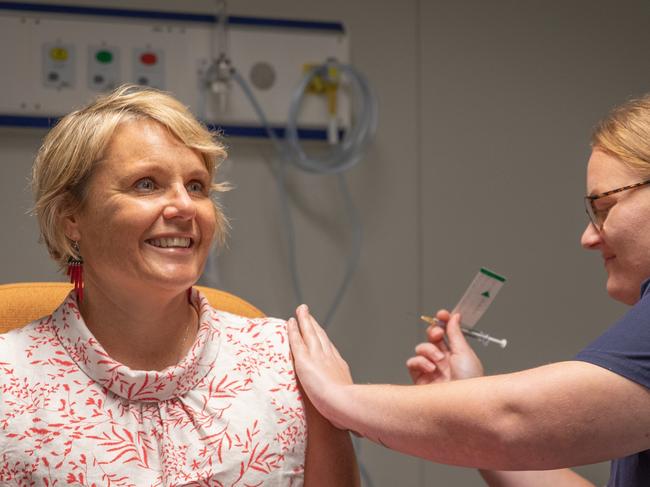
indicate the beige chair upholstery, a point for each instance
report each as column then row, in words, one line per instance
column 24, row 302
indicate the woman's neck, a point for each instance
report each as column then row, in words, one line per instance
column 144, row 331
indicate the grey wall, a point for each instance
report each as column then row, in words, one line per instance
column 509, row 93
column 486, row 109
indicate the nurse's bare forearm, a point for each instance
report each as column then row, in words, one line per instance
column 531, row 420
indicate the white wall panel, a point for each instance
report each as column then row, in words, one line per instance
column 37, row 82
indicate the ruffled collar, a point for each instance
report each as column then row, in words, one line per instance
column 138, row 385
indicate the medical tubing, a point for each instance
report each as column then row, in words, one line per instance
column 279, row 146
column 340, row 157
column 349, row 151
column 365, row 476
column 351, row 147
column 279, row 171
column 221, row 13
column 355, row 252
column 291, row 234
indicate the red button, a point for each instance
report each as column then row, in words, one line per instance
column 148, row 58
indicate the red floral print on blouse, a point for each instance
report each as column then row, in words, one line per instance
column 228, row 414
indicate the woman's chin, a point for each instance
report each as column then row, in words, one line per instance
column 622, row 293
column 172, row 279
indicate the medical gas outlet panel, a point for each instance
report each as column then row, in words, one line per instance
column 103, row 61
column 63, row 56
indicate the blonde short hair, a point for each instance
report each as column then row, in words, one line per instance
column 70, row 151
column 625, row 134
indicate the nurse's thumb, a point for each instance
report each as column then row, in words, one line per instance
column 455, row 336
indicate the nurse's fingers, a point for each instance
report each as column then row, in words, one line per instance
column 296, row 342
column 307, row 330
column 324, row 340
column 430, row 352
column 436, row 335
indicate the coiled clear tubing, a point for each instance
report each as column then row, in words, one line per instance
column 350, row 150
column 338, row 159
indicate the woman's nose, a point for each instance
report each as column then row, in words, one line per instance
column 591, row 237
column 180, row 204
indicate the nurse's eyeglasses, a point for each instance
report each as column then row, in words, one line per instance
column 598, row 216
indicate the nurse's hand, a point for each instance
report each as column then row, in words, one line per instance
column 321, row 370
column 438, row 361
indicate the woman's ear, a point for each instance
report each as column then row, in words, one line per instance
column 71, row 227
column 69, row 210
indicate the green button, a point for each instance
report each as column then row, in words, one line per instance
column 104, row 56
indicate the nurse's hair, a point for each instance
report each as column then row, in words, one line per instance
column 625, row 134
column 72, row 149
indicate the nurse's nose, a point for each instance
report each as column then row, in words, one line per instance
column 591, row 237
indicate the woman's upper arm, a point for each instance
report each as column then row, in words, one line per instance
column 582, row 412
column 329, row 458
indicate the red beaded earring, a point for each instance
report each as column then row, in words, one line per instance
column 75, row 271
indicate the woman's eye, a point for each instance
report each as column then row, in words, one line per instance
column 603, row 205
column 195, row 187
column 145, row 184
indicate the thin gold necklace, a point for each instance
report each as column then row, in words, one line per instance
column 187, row 332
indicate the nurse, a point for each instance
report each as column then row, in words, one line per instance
column 588, row 409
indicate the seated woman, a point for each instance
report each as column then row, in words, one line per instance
column 135, row 379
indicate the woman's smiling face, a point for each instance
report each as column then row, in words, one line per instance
column 624, row 240
column 147, row 218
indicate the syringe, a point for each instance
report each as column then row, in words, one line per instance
column 481, row 336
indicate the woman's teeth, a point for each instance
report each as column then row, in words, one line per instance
column 182, row 242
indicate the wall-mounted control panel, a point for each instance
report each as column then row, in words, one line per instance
column 59, row 61
column 62, row 56
column 104, row 61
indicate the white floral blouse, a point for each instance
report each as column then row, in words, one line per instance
column 229, row 414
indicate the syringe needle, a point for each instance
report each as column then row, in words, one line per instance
column 484, row 337
column 477, row 334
